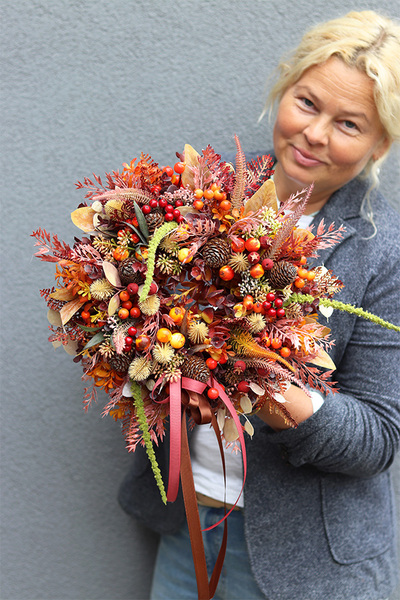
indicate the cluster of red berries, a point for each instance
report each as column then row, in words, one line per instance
column 171, row 212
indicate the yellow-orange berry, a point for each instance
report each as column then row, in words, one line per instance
column 177, row 340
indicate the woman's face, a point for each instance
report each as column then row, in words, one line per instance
column 326, row 131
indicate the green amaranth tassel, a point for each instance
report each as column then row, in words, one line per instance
column 349, row 308
column 158, row 235
column 141, row 417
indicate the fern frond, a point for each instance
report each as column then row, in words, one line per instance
column 237, row 197
column 243, row 344
column 139, row 196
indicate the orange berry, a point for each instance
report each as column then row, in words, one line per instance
column 238, row 245
column 177, row 340
column 214, row 187
column 225, row 205
column 198, row 204
column 124, row 296
column 285, row 352
column 248, row 302
column 164, row 335
column 177, row 313
column 142, row 342
column 311, row 275
column 252, row 244
column 226, row 273
column 209, row 194
column 303, row 260
column 302, row 273
column 257, row 271
column 258, row 307
column 276, row 343
column 123, row 313
column 299, row 282
column 218, row 195
column 183, row 255
column 198, row 193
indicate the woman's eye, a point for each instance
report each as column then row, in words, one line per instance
column 349, row 125
column 307, row 102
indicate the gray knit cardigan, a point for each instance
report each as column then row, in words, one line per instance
column 319, row 505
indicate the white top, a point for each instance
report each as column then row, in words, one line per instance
column 206, row 460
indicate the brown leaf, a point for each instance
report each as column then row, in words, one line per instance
column 191, row 160
column 83, row 218
column 323, row 360
column 111, row 273
column 69, row 309
column 63, row 294
column 265, row 196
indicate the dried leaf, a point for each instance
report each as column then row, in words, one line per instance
column 230, row 430
column 69, row 309
column 249, row 428
column 113, row 305
column 83, row 218
column 53, row 316
column 257, row 389
column 264, row 196
column 191, row 157
column 246, row 405
column 71, row 347
column 111, row 274
column 63, row 294
column 221, row 414
column 323, row 360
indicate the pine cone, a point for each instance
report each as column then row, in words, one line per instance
column 195, row 368
column 282, row 274
column 216, row 253
column 154, row 219
column 127, row 273
column 120, row 362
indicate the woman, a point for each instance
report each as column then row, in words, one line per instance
column 318, row 519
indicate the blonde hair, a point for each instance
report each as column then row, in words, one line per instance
column 364, row 40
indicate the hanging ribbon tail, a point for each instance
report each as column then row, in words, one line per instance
column 205, row 589
column 175, row 440
column 225, row 399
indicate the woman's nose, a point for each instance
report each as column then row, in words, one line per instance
column 317, row 131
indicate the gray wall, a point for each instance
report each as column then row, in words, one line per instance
column 87, row 85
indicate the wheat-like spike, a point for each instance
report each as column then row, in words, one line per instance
column 289, row 223
column 158, row 235
column 237, row 196
column 244, row 344
column 349, row 308
column 144, row 426
column 141, row 196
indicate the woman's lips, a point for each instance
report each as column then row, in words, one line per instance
column 305, row 159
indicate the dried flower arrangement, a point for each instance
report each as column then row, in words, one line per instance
column 191, row 288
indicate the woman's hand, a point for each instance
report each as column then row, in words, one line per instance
column 297, row 403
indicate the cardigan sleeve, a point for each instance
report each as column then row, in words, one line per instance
column 357, row 429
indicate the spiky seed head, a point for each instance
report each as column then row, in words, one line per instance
column 150, row 306
column 198, row 331
column 101, row 289
column 140, row 368
column 239, row 262
column 256, row 322
column 163, row 353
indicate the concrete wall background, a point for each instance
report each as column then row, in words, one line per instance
column 87, row 85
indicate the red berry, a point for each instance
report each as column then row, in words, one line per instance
column 240, row 364
column 270, row 297
column 253, row 258
column 243, row 386
column 226, row 273
column 280, row 313
column 132, row 288
column 132, row 331
column 169, row 208
column 176, row 213
column 168, row 171
column 271, row 313
column 212, row 393
column 153, row 288
column 153, row 203
column 211, row 363
column 146, row 209
column 128, row 340
column 278, row 303
column 252, row 245
column 135, row 312
column 162, row 202
column 264, row 241
column 169, row 216
column 178, row 202
column 266, row 305
column 267, row 263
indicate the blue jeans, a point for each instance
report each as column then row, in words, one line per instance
column 174, row 576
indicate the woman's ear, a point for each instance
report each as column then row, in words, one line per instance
column 382, row 148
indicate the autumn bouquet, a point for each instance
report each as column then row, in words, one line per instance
column 190, row 292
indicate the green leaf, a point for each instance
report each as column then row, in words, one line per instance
column 96, row 339
column 141, row 221
column 84, row 328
